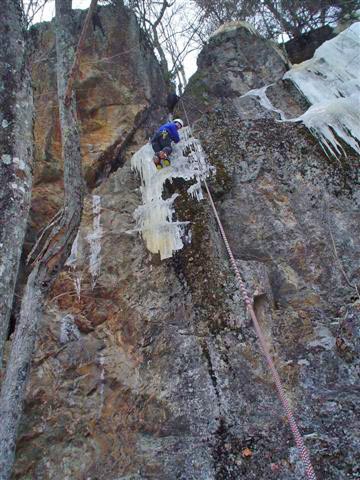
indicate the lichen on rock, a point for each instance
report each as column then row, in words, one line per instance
column 165, row 379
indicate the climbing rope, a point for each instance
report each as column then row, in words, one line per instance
column 304, row 453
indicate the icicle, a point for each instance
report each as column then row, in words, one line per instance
column 94, row 239
column 341, row 116
column 331, row 82
column 154, row 219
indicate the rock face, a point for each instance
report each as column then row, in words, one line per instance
column 302, row 48
column 151, row 370
column 120, row 86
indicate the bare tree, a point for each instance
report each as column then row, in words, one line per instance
column 150, row 15
column 296, row 17
column 32, row 9
column 274, row 17
column 16, row 154
column 51, row 251
column 179, row 35
column 172, row 27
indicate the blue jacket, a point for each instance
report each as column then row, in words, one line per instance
column 170, row 127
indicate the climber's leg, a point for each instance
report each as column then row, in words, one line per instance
column 161, row 144
column 165, row 142
column 157, row 149
column 164, row 156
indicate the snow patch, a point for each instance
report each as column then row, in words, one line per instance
column 20, row 164
column 231, row 26
column 6, row 159
column 324, row 338
column 155, row 217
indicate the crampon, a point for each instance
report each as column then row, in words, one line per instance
column 161, row 160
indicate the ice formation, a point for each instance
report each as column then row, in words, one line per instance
column 155, row 217
column 260, row 94
column 72, row 262
column 331, row 82
column 94, row 239
column 102, row 383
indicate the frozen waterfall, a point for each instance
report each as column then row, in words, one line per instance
column 331, row 82
column 155, row 217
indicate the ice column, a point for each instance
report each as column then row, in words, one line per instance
column 94, row 239
column 155, row 217
column 102, row 383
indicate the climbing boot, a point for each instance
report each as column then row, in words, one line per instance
column 157, row 161
column 165, row 162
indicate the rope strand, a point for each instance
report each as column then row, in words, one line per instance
column 304, row 453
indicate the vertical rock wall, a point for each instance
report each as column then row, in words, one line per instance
column 151, row 370
column 119, row 86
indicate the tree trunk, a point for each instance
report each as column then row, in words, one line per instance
column 16, row 153
column 54, row 252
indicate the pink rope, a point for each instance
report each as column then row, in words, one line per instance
column 304, row 453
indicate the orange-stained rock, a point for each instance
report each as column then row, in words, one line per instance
column 151, row 370
column 119, row 80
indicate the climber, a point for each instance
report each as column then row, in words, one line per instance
column 161, row 142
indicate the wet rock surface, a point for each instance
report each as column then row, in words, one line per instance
column 151, row 370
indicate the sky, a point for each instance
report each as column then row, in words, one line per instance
column 49, row 12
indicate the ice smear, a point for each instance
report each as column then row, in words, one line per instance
column 94, row 239
column 72, row 263
column 102, row 383
column 260, row 93
column 155, row 217
column 331, row 82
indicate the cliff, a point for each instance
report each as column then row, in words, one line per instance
column 150, row 369
column 119, row 91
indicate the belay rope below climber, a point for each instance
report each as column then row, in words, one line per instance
column 280, row 389
column 304, row 453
